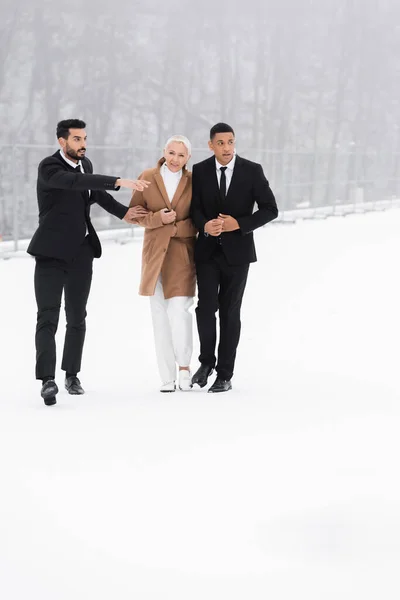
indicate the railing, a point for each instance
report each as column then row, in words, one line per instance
column 306, row 185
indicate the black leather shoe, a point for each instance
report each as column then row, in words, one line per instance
column 201, row 375
column 49, row 391
column 220, row 385
column 73, row 386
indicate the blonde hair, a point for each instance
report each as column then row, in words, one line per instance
column 181, row 139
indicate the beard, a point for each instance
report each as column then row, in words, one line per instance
column 76, row 155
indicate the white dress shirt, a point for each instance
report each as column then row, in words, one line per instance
column 228, row 172
column 171, row 180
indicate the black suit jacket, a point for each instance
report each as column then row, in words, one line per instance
column 64, row 207
column 247, row 188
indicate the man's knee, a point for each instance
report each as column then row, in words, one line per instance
column 76, row 319
column 207, row 307
column 48, row 317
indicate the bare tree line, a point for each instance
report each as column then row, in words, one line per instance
column 316, row 77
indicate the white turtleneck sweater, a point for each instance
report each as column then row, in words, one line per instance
column 171, row 180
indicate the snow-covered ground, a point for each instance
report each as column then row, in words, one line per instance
column 286, row 488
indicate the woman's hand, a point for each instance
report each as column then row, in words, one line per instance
column 167, row 216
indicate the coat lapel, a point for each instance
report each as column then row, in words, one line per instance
column 236, row 175
column 213, row 175
column 160, row 183
column 180, row 189
column 213, row 187
column 88, row 168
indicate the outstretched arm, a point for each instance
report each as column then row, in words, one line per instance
column 54, row 175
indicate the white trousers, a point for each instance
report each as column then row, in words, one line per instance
column 173, row 331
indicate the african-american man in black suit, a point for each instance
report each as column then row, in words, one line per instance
column 226, row 188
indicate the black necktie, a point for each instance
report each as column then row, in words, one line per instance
column 222, row 185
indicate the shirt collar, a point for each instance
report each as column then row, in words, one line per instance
column 70, row 162
column 230, row 164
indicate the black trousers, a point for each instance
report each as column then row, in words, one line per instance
column 52, row 277
column 220, row 286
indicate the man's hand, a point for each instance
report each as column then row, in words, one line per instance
column 167, row 216
column 214, row 227
column 133, row 184
column 135, row 213
column 229, row 223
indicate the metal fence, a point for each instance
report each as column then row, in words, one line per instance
column 305, row 183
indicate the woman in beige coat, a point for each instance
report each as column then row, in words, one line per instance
column 168, row 270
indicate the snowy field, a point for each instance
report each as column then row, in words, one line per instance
column 286, row 488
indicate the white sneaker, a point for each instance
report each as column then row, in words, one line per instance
column 168, row 387
column 185, row 380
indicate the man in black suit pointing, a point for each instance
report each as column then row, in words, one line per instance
column 64, row 246
column 225, row 189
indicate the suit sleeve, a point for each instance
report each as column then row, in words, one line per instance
column 109, row 204
column 55, row 176
column 153, row 219
column 265, row 200
column 196, row 213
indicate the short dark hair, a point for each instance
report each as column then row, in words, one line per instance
column 63, row 127
column 220, row 128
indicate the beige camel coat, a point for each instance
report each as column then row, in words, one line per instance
column 167, row 249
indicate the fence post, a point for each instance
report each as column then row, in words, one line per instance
column 284, row 185
column 15, row 198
